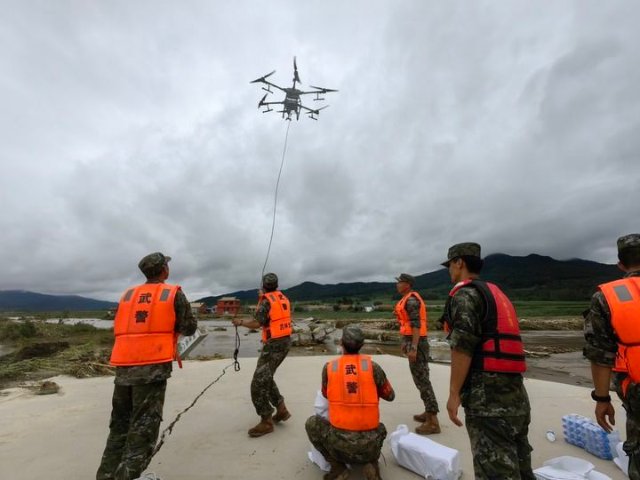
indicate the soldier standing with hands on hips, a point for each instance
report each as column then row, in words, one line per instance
column 411, row 313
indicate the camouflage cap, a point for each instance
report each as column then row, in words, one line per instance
column 405, row 277
column 270, row 280
column 629, row 241
column 352, row 336
column 152, row 264
column 462, row 249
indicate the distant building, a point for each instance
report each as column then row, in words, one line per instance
column 228, row 306
column 198, row 308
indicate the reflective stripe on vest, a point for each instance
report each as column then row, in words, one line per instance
column 623, row 299
column 352, row 393
column 501, row 348
column 144, row 326
column 403, row 316
column 279, row 316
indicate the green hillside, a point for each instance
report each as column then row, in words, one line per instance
column 532, row 277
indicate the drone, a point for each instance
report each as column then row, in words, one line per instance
column 292, row 103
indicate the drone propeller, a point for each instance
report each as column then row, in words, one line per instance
column 261, row 102
column 262, row 79
column 323, row 90
column 296, row 77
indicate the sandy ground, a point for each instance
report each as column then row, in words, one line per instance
column 62, row 436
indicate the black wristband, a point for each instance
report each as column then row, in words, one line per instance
column 597, row 398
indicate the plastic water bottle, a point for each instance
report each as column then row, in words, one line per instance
column 585, row 433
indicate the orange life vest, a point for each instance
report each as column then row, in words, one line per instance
column 501, row 349
column 352, row 393
column 623, row 298
column 144, row 326
column 403, row 316
column 279, row 316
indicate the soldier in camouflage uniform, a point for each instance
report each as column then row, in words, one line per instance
column 265, row 394
column 496, row 404
column 416, row 347
column 138, row 395
column 339, row 446
column 603, row 346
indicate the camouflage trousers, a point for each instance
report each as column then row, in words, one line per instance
column 500, row 447
column 632, row 446
column 264, row 391
column 133, row 430
column 420, row 373
column 345, row 446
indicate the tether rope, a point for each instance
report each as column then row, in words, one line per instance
column 236, row 364
column 275, row 200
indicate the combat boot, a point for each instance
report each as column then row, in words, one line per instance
column 282, row 414
column 265, row 426
column 420, row 417
column 371, row 471
column 339, row 471
column 430, row 426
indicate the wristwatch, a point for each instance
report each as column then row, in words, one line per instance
column 598, row 398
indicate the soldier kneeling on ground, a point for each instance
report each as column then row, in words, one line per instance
column 353, row 434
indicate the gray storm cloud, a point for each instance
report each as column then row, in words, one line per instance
column 130, row 128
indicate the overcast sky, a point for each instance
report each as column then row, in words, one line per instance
column 131, row 127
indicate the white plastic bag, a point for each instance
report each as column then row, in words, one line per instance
column 568, row 468
column 321, row 408
column 622, row 460
column 423, row 456
column 316, row 457
column 321, row 405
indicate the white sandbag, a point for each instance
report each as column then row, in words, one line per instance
column 423, row 456
column 622, row 460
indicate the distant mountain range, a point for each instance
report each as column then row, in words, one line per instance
column 20, row 301
column 533, row 277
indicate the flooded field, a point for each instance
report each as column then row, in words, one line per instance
column 552, row 354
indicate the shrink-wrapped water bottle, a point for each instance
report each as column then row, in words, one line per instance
column 585, row 433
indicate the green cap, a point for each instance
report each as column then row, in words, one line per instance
column 405, row 277
column 352, row 336
column 629, row 241
column 462, row 249
column 152, row 264
column 270, row 280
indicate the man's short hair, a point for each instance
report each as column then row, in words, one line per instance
column 629, row 250
column 474, row 264
column 352, row 338
column 630, row 257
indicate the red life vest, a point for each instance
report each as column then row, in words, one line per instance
column 623, row 298
column 403, row 316
column 279, row 316
column 501, row 348
column 144, row 326
column 352, row 393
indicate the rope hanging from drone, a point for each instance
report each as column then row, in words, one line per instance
column 275, row 201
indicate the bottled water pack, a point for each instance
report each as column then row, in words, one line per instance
column 585, row 433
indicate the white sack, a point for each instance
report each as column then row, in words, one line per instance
column 423, row 456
